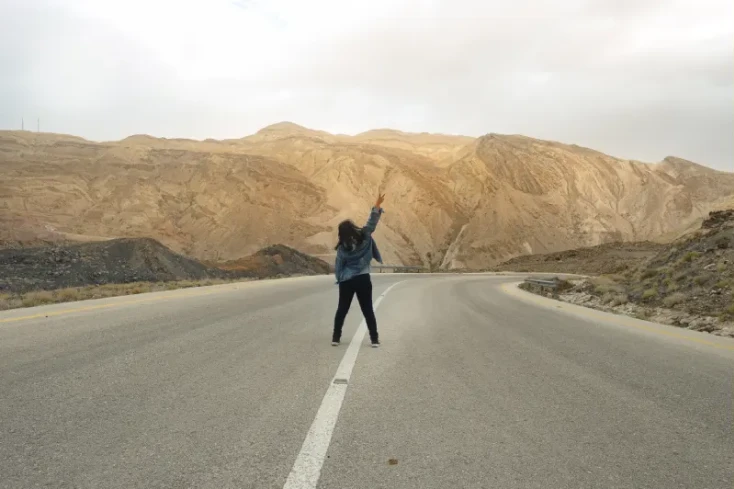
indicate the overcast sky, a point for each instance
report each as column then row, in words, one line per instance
column 638, row 79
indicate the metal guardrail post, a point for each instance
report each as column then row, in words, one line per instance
column 551, row 285
column 396, row 268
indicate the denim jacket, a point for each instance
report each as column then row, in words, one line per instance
column 350, row 263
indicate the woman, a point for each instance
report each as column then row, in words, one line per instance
column 354, row 252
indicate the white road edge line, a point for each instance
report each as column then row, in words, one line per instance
column 307, row 467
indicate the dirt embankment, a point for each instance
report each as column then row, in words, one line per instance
column 109, row 262
column 611, row 258
column 689, row 283
column 277, row 261
column 123, row 261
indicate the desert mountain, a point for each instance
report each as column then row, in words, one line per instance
column 469, row 202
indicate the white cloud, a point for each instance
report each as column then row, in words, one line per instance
column 640, row 79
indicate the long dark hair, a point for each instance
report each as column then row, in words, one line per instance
column 350, row 235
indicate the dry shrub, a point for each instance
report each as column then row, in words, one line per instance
column 649, row 273
column 138, row 288
column 649, row 294
column 674, row 299
column 8, row 301
column 616, row 278
column 69, row 295
column 38, row 298
column 690, row 256
column 41, row 297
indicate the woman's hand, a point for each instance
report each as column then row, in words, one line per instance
column 380, row 200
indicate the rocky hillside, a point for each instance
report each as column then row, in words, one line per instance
column 606, row 259
column 277, row 261
column 470, row 202
column 695, row 273
column 688, row 283
column 110, row 262
column 133, row 260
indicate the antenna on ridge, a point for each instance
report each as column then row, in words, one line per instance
column 22, row 124
column 38, row 127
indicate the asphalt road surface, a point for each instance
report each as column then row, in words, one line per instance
column 476, row 385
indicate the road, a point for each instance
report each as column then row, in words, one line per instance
column 477, row 385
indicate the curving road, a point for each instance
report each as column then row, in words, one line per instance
column 477, row 385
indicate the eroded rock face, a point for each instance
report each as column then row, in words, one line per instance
column 718, row 219
column 470, row 202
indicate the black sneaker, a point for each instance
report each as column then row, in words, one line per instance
column 375, row 343
column 335, row 343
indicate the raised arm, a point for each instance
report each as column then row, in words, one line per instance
column 374, row 215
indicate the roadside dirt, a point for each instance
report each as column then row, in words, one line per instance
column 137, row 260
column 610, row 258
column 688, row 283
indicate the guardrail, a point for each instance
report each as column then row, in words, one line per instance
column 399, row 268
column 551, row 285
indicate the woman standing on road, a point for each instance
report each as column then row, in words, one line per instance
column 354, row 252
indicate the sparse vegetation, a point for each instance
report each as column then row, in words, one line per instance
column 680, row 285
column 690, row 256
column 649, row 293
column 643, row 314
column 615, row 278
column 44, row 297
column 140, row 289
column 607, row 285
column 723, row 242
column 611, row 260
column 603, row 280
column 697, row 292
column 674, row 299
column 38, row 299
column 68, row 295
column 564, row 285
column 649, row 274
column 607, row 289
column 51, row 274
column 700, row 280
column 617, row 300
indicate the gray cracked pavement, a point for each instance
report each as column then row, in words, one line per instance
column 474, row 387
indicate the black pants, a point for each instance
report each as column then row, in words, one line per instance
column 362, row 286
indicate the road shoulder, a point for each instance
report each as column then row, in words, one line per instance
column 639, row 326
